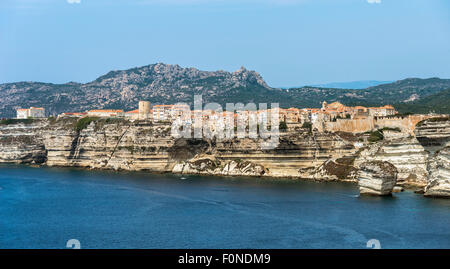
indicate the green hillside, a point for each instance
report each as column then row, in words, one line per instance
column 437, row 103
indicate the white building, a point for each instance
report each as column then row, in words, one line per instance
column 32, row 112
column 106, row 113
column 162, row 112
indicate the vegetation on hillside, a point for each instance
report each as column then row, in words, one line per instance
column 437, row 103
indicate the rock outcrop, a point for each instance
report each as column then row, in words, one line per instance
column 340, row 169
column 377, row 178
column 405, row 153
column 434, row 135
column 207, row 164
column 439, row 179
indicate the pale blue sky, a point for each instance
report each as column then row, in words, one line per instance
column 290, row 42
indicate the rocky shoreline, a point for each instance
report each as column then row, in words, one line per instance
column 421, row 161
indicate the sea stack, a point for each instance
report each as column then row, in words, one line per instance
column 377, row 178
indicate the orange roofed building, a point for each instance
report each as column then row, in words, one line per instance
column 132, row 115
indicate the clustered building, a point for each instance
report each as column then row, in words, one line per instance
column 328, row 116
column 336, row 110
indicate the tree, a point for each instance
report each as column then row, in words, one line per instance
column 283, row 126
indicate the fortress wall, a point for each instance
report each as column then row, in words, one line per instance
column 350, row 125
column 406, row 124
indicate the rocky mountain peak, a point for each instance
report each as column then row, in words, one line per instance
column 250, row 76
column 241, row 70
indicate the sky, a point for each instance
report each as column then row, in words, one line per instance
column 289, row 42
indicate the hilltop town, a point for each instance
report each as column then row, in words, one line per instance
column 333, row 117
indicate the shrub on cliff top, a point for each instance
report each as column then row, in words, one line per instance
column 307, row 125
column 396, row 129
column 283, row 126
column 84, row 122
column 376, row 136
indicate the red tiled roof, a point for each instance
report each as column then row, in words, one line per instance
column 163, row 105
column 106, row 110
column 74, row 113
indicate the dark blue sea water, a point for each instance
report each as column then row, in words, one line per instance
column 45, row 207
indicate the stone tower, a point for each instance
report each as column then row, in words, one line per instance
column 324, row 105
column 144, row 110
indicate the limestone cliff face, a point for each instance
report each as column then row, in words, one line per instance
column 405, row 153
column 119, row 144
column 434, row 135
column 420, row 160
column 110, row 145
column 298, row 155
column 21, row 144
column 210, row 165
column 439, row 179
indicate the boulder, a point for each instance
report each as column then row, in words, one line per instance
column 377, row 178
column 397, row 189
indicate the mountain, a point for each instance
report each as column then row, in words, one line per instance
column 362, row 84
column 437, row 103
column 166, row 84
column 158, row 83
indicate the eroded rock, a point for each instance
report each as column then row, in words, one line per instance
column 377, row 178
column 208, row 164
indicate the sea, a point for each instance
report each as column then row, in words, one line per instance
column 51, row 208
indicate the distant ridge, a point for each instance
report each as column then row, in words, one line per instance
column 436, row 103
column 362, row 84
column 168, row 84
